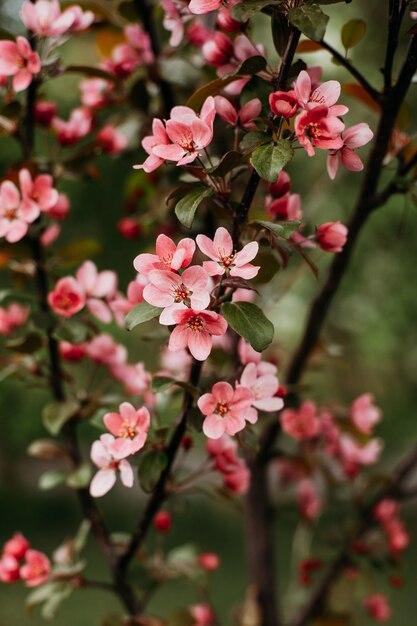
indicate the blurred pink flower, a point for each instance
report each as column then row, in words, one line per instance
column 331, row 236
column 15, row 216
column 364, row 414
column 67, row 298
column 377, row 607
column 36, row 569
column 301, row 423
column 17, row 59
column 11, row 317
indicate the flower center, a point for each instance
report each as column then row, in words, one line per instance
column 181, row 293
column 313, row 130
column 196, row 324
column 227, row 259
column 222, row 408
column 10, row 213
column 167, row 260
column 127, row 431
column 67, row 301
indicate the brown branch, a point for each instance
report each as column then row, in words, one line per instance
column 374, row 93
column 88, row 505
column 366, row 521
column 149, row 24
column 396, row 13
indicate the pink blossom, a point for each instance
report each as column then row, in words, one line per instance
column 135, row 380
column 235, row 474
column 126, row 57
column 244, row 117
column 159, row 138
column 286, row 208
column 316, row 127
column 140, row 41
column 96, row 92
column 72, row 352
column 36, row 569
column 81, row 20
column 44, row 18
column 50, row 234
column 225, row 20
column 17, row 546
column 68, row 297
column 96, row 286
column 364, row 414
column 11, row 317
column 173, row 292
column 386, row 510
column 78, row 126
column 130, row 427
column 45, row 111
column 301, row 423
column 168, row 256
column 218, row 50
column 194, row 331
column 209, row 561
column 398, row 537
column 225, row 259
column 101, row 455
column 377, row 607
column 331, row 236
column 17, row 59
column 309, row 501
column 226, row 410
column 38, row 194
column 176, row 14
column 9, row 569
column 15, row 215
column 103, row 349
column 284, row 103
column 198, row 34
column 204, row 6
column 354, row 455
column 326, row 94
column 61, row 208
column 202, row 613
column 189, row 133
column 111, row 140
column 264, row 385
column 354, row 137
column 176, row 364
column 246, row 353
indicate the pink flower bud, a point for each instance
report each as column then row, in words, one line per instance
column 284, row 103
column 17, row 546
column 332, row 236
column 45, row 112
column 162, row 522
column 209, row 561
column 9, row 569
column 377, row 607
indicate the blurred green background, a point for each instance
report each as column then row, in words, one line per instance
column 371, row 345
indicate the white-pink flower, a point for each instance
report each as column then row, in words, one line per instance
column 129, row 427
column 262, row 381
column 103, row 349
column 174, row 292
column 15, row 215
column 44, row 18
column 355, row 455
column 78, row 125
column 326, row 94
column 226, row 410
column 194, row 331
column 364, row 414
column 169, row 256
column 189, row 133
column 353, row 137
column 105, row 478
column 98, row 287
column 12, row 317
column 203, row 6
column 111, row 140
column 17, row 59
column 38, row 193
column 224, row 258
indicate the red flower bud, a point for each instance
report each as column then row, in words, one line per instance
column 162, row 522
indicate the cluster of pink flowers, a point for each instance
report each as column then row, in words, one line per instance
column 45, row 18
column 317, row 121
column 103, row 350
column 235, row 473
column 20, row 207
column 184, row 292
column 20, row 562
column 133, row 53
column 377, row 607
column 180, row 139
column 387, row 515
column 11, row 317
column 129, row 431
column 280, row 203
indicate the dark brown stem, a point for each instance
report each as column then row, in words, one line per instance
column 396, row 14
column 393, row 489
column 89, row 508
column 160, row 492
column 144, row 10
column 374, row 93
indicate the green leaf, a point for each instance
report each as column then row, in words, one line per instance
column 51, row 479
column 283, row 230
column 250, row 66
column 248, row 321
column 128, row 11
column 252, row 140
column 352, row 33
column 186, row 207
column 310, row 20
column 72, row 330
column 28, row 344
column 56, row 414
column 162, row 383
column 81, row 537
column 213, row 88
column 142, row 312
column 269, row 160
column 80, row 478
column 280, row 31
column 229, row 161
column 78, row 251
column 46, row 449
column 41, row 594
column 247, row 9
column 51, row 606
column 151, row 465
